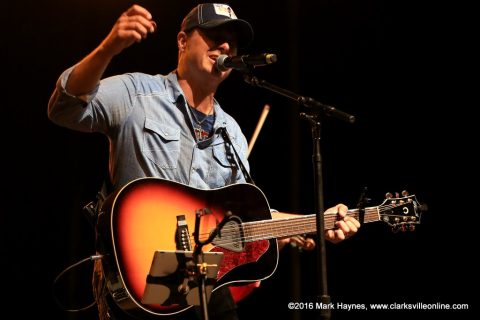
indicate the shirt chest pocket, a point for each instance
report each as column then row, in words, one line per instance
column 161, row 144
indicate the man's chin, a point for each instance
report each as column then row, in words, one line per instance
column 219, row 75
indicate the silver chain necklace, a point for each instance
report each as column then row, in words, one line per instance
column 193, row 112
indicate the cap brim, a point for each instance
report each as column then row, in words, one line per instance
column 243, row 29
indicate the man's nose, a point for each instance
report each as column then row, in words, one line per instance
column 224, row 47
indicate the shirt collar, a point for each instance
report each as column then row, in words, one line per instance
column 175, row 91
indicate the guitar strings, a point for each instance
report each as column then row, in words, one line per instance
column 294, row 223
column 265, row 228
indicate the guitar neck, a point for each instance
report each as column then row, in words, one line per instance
column 286, row 227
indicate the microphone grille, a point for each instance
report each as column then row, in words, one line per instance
column 220, row 64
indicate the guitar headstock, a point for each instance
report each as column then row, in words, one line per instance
column 402, row 213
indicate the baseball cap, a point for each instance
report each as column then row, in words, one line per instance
column 213, row 15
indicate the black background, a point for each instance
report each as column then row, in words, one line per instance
column 399, row 66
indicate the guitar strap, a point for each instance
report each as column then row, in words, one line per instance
column 92, row 209
column 235, row 164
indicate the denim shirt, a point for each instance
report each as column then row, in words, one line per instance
column 150, row 131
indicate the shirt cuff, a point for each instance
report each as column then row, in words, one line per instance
column 62, row 84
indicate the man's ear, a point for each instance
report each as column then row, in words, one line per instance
column 181, row 40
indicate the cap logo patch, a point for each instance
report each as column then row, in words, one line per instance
column 224, row 10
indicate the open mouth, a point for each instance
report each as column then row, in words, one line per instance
column 213, row 57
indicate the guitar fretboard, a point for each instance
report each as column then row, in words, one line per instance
column 285, row 227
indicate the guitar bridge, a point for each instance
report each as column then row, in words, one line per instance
column 182, row 236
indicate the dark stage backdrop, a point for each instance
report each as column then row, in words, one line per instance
column 393, row 64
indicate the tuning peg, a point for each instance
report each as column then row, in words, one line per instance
column 411, row 227
column 395, row 229
column 389, row 195
column 405, row 193
column 403, row 228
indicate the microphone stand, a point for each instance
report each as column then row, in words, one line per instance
column 200, row 269
column 316, row 111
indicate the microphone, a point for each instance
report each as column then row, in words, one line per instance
column 225, row 62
